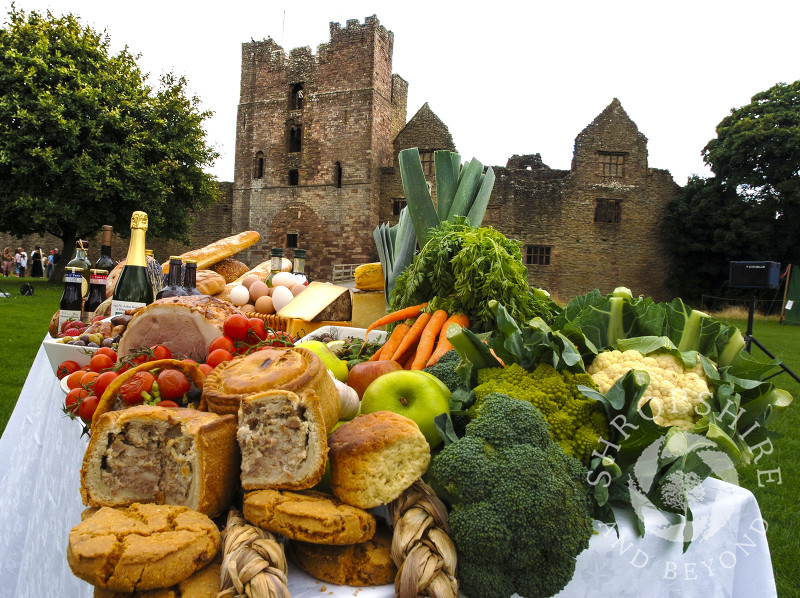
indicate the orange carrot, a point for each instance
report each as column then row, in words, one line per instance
column 412, row 336
column 410, row 360
column 427, row 340
column 395, row 316
column 443, row 345
column 393, row 341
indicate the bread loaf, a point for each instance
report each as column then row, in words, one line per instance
column 209, row 282
column 218, row 250
column 375, row 457
column 230, row 269
column 158, row 455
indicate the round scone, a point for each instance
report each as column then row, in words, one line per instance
column 308, row 516
column 364, row 564
column 375, row 457
column 296, row 369
column 141, row 547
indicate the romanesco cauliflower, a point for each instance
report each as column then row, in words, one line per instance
column 675, row 394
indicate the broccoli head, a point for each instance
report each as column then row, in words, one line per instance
column 520, row 508
column 445, row 370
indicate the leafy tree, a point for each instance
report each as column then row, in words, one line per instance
column 85, row 141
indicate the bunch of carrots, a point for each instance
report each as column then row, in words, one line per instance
column 420, row 337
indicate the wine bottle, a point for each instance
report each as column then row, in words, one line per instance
column 190, row 278
column 299, row 265
column 156, row 271
column 276, row 263
column 97, row 293
column 134, row 287
column 71, row 305
column 104, row 262
column 81, row 261
column 174, row 286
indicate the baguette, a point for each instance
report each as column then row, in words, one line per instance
column 218, row 250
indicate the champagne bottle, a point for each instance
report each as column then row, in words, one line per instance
column 81, row 261
column 174, row 286
column 134, row 287
column 104, row 262
column 190, row 278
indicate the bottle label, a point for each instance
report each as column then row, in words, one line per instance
column 120, row 307
column 72, row 277
column 98, row 279
column 66, row 315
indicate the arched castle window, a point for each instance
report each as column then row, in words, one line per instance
column 258, row 170
column 295, row 138
column 338, row 175
column 296, row 97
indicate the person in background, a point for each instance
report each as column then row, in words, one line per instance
column 36, row 263
column 22, row 261
column 8, row 262
column 49, row 267
column 56, row 255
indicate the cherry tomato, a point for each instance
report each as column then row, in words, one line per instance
column 160, row 352
column 172, row 384
column 88, row 379
column 108, row 351
column 87, row 408
column 222, row 342
column 100, row 362
column 102, row 382
column 65, row 368
column 235, row 327
column 74, row 398
column 205, row 368
column 74, row 379
column 217, row 357
column 256, row 330
column 131, row 391
column 167, row 403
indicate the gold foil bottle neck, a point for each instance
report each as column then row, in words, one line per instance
column 139, row 220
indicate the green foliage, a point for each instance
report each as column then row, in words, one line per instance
column 84, row 141
column 520, row 513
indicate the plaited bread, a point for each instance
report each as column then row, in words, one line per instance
column 158, row 455
column 296, row 369
column 230, row 269
column 375, row 457
column 282, row 440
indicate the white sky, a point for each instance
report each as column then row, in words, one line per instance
column 505, row 77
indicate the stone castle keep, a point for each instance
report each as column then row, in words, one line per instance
column 317, row 139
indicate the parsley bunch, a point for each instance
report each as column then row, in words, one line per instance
column 461, row 268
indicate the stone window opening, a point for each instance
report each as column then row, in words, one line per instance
column 258, row 172
column 296, row 97
column 608, row 211
column 291, row 240
column 398, row 205
column 428, row 165
column 612, row 164
column 295, row 138
column 338, row 175
column 294, row 177
column 537, row 255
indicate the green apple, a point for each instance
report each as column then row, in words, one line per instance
column 328, row 357
column 413, row 394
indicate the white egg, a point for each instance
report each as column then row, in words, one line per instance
column 280, row 297
column 240, row 295
column 284, row 279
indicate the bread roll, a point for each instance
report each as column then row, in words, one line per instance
column 218, row 250
column 202, row 584
column 308, row 516
column 141, row 547
column 375, row 457
column 282, row 440
column 165, row 456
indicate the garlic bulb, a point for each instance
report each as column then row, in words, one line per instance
column 348, row 397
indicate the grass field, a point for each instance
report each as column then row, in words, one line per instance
column 24, row 320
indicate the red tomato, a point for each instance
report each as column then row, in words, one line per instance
column 205, row 368
column 65, row 368
column 256, row 330
column 101, row 362
column 160, row 352
column 167, row 403
column 108, row 351
column 74, row 398
column 74, row 379
column 88, row 379
column 102, row 382
column 87, row 408
column 222, row 342
column 131, row 391
column 217, row 357
column 172, row 384
column 235, row 327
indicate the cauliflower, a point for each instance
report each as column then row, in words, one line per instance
column 675, row 394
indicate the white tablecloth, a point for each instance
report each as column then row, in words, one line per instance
column 40, row 458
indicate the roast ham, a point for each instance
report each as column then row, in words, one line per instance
column 185, row 325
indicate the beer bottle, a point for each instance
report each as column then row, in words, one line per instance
column 97, row 293
column 173, row 288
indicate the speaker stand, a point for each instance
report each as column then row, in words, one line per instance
column 750, row 340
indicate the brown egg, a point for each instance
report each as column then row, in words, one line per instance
column 297, row 289
column 250, row 279
column 258, row 289
column 264, row 305
column 248, row 307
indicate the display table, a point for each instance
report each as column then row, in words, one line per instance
column 40, row 458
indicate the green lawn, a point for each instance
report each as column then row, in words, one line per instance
column 24, row 321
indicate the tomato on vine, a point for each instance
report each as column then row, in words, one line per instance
column 217, row 357
column 103, row 381
column 222, row 342
column 73, row 400
column 100, row 362
column 87, row 408
column 65, row 368
column 257, row 331
column 235, row 327
column 160, row 352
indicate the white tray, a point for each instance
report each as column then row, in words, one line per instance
column 345, row 332
column 58, row 352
